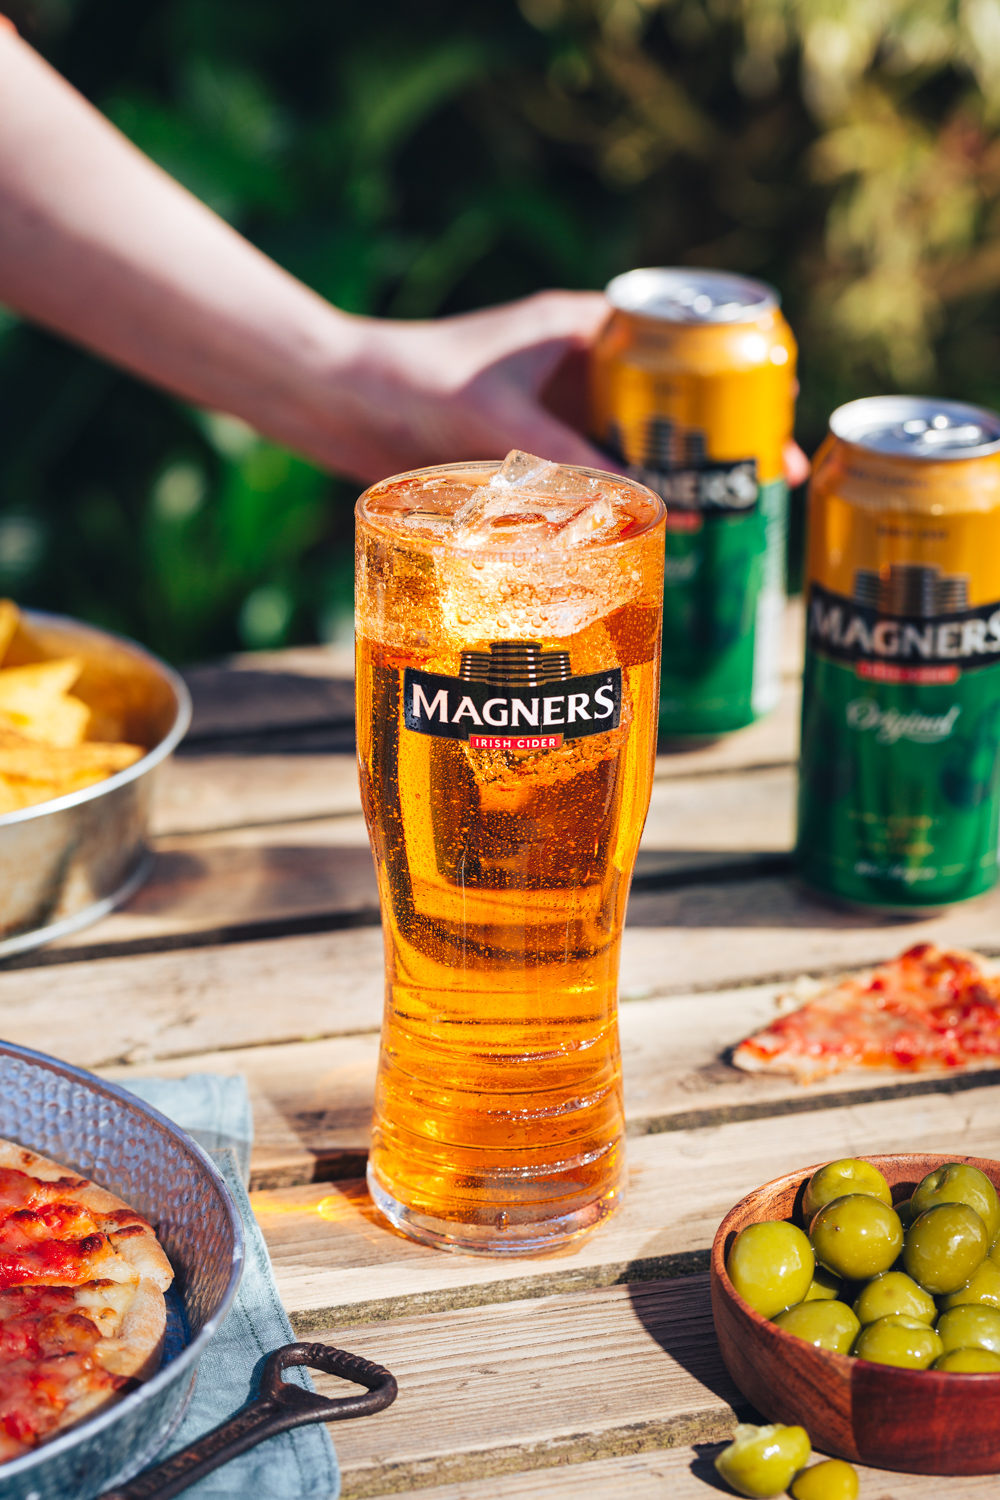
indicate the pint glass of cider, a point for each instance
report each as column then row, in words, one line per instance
column 508, row 630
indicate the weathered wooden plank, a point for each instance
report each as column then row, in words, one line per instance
column 313, row 1100
column 727, row 933
column 206, row 793
column 228, row 883
column 223, row 880
column 726, row 810
column 250, row 993
column 233, row 877
column 247, row 696
column 179, row 1004
column 336, row 1264
column 681, row 1474
column 487, row 1391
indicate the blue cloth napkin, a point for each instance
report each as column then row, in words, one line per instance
column 300, row 1465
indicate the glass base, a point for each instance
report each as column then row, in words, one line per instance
column 523, row 1238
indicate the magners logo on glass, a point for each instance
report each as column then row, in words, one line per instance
column 515, row 696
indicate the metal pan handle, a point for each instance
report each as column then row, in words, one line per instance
column 277, row 1408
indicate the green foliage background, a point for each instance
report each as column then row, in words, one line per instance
column 419, row 159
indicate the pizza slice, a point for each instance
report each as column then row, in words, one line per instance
column 927, row 1009
column 82, row 1310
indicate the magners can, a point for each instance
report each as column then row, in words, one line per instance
column 899, row 792
column 693, row 391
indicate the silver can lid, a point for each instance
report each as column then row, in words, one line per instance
column 918, row 427
column 675, row 294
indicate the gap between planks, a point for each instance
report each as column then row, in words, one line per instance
column 485, row 1391
column 681, row 1474
column 580, row 1395
column 174, row 1004
column 313, row 1100
column 337, row 1264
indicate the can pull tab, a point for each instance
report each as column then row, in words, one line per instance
column 277, row 1408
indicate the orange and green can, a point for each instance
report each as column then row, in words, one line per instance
column 899, row 787
column 693, row 392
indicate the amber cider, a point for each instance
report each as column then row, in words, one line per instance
column 507, row 685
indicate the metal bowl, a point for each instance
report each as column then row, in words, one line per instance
column 67, row 862
column 103, row 1132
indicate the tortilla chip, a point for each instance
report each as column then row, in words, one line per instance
column 41, row 679
column 22, row 756
column 10, row 618
column 62, row 722
column 9, row 800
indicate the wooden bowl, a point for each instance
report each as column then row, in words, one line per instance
column 918, row 1421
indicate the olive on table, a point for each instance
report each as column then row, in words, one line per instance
column 969, row 1362
column 895, row 1292
column 839, row 1178
column 957, row 1182
column 856, row 1236
column 899, row 1340
column 771, row 1265
column 944, row 1246
column 971, row 1326
column 824, row 1287
column 832, row 1480
column 905, row 1211
column 828, row 1325
column 983, row 1286
column 761, row 1461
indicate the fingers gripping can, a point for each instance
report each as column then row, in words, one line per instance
column 693, row 387
column 899, row 790
column 508, row 647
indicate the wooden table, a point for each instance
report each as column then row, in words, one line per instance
column 255, row 948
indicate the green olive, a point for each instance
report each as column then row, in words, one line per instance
column 828, row 1325
column 971, row 1326
column 898, row 1340
column 959, row 1183
column 969, row 1362
column 824, row 1286
column 895, row 1292
column 983, row 1286
column 944, row 1246
column 832, row 1480
column 761, row 1461
column 840, row 1178
column 857, row 1236
column 771, row 1265
column 905, row 1211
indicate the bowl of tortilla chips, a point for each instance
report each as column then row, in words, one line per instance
column 85, row 719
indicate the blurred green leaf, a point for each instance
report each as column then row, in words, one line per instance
column 422, row 160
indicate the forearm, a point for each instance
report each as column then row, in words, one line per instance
column 99, row 244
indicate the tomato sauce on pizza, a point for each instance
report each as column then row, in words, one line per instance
column 930, row 1008
column 82, row 1310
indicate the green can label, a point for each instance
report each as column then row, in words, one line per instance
column 723, row 606
column 899, row 793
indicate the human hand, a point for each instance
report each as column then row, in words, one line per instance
column 469, row 386
column 476, row 386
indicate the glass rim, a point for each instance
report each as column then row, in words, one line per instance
column 490, row 465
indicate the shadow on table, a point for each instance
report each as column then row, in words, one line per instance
column 741, row 891
column 703, row 1467
column 677, row 1314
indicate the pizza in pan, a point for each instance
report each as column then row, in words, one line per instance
column 82, row 1311
column 927, row 1009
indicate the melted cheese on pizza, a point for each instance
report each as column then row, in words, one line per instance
column 49, row 1361
column 48, row 1237
column 82, row 1313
